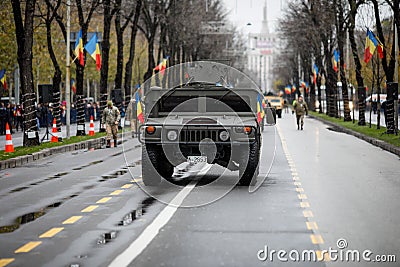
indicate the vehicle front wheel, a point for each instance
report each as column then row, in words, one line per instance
column 155, row 165
column 248, row 166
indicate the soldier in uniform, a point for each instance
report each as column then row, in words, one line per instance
column 301, row 109
column 110, row 119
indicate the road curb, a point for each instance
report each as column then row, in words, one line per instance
column 26, row 159
column 376, row 142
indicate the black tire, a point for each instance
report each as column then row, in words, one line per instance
column 155, row 165
column 248, row 166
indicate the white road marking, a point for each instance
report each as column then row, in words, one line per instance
column 151, row 231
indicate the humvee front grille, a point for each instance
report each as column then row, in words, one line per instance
column 198, row 135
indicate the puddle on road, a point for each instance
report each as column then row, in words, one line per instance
column 19, row 189
column 30, row 217
column 139, row 212
column 107, row 237
column 131, row 217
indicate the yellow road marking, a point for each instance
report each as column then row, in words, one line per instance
column 103, row 200
column 6, row 261
column 297, row 183
column 72, row 220
column 296, row 178
column 312, row 225
column 28, row 247
column 90, row 208
column 116, row 192
column 299, row 190
column 304, row 204
column 52, row 232
column 127, row 186
column 294, row 174
column 308, row 213
column 136, row 180
column 302, row 196
column 316, row 239
column 324, row 257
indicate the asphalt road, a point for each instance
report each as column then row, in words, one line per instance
column 87, row 208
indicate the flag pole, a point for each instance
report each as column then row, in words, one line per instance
column 67, row 73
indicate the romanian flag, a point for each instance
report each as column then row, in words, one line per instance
column 288, row 90
column 315, row 73
column 139, row 111
column 93, row 48
column 371, row 43
column 162, row 65
column 260, row 110
column 303, row 84
column 79, row 48
column 73, row 86
column 3, row 78
column 293, row 89
column 336, row 56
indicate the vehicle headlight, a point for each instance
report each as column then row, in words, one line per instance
column 172, row 135
column 224, row 135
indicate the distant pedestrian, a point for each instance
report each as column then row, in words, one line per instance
column 3, row 119
column 301, row 109
column 110, row 118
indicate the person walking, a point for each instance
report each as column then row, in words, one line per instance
column 110, row 119
column 301, row 109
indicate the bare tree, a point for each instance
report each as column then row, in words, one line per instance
column 129, row 64
column 24, row 35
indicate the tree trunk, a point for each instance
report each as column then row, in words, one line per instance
column 129, row 64
column 359, row 78
column 105, row 53
column 24, row 35
column 120, row 49
column 341, row 36
column 56, row 76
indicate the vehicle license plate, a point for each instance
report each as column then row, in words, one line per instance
column 197, row 159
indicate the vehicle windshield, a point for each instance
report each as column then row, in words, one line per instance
column 223, row 100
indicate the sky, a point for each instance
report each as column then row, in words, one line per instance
column 242, row 12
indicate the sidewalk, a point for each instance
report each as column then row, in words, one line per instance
column 376, row 142
column 17, row 137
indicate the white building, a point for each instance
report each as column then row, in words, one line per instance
column 262, row 48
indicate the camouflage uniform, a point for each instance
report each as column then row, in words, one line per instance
column 301, row 108
column 110, row 118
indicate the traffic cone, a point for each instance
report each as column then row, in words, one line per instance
column 54, row 132
column 9, row 144
column 91, row 127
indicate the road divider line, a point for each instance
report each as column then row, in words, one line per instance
column 72, row 220
column 52, row 232
column 302, row 196
column 104, row 200
column 90, row 208
column 28, row 247
column 116, row 192
column 312, row 225
column 297, row 183
column 322, row 256
column 304, row 204
column 308, row 213
column 316, row 239
column 151, row 231
column 299, row 190
column 6, row 261
column 127, row 186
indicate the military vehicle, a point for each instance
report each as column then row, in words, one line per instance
column 201, row 122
